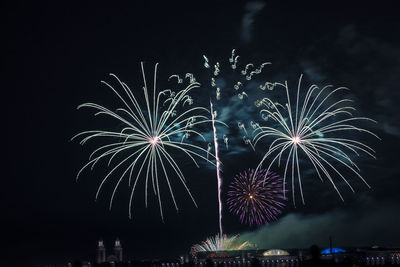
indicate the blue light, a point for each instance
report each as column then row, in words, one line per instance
column 334, row 250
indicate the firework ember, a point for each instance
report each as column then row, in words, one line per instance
column 257, row 198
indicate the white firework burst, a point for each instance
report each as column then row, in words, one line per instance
column 221, row 243
column 311, row 128
column 149, row 137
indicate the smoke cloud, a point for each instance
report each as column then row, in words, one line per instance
column 377, row 226
column 252, row 8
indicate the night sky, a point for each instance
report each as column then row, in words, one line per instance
column 56, row 55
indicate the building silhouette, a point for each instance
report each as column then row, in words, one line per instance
column 118, row 250
column 101, row 252
column 102, row 257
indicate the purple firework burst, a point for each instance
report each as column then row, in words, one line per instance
column 257, row 199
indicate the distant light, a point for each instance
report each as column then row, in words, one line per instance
column 296, row 139
column 275, row 252
column 334, row 250
column 154, row 140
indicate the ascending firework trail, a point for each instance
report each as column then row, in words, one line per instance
column 218, row 165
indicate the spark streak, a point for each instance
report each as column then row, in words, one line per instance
column 218, row 163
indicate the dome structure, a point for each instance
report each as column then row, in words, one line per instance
column 334, row 251
column 276, row 252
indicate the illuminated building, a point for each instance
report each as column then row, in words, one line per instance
column 101, row 256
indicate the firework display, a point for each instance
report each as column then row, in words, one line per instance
column 150, row 134
column 315, row 130
column 318, row 127
column 217, row 82
column 256, row 197
column 220, row 243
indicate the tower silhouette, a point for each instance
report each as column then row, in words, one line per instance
column 101, row 252
column 118, row 249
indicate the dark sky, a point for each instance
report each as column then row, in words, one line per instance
column 57, row 53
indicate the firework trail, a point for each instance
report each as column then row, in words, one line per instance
column 313, row 128
column 256, row 197
column 218, row 163
column 150, row 134
column 249, row 72
column 220, row 243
